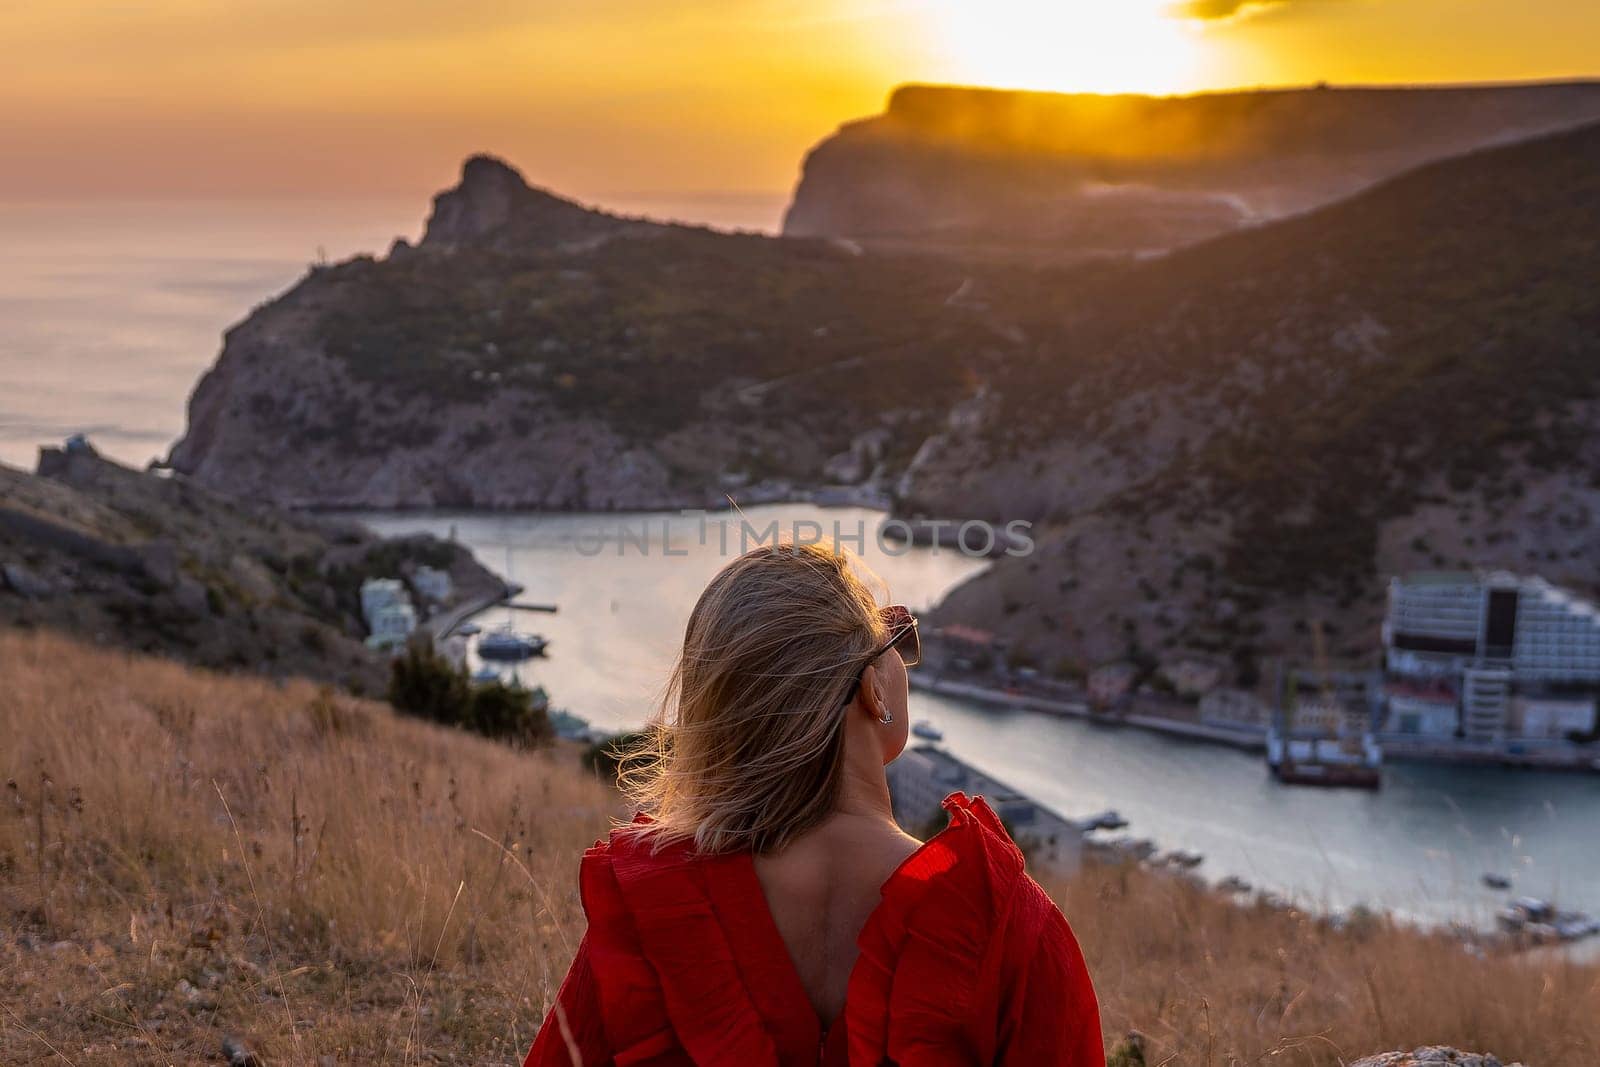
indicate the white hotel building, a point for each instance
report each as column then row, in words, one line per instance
column 1489, row 657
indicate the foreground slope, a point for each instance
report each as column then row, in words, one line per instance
column 186, row 856
column 1057, row 176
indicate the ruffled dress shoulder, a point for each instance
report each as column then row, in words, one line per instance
column 964, row 961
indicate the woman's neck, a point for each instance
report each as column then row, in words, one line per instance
column 864, row 793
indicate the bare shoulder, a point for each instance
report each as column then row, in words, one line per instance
column 839, row 850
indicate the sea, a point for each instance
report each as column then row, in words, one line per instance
column 110, row 311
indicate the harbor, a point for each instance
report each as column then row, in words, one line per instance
column 1419, row 847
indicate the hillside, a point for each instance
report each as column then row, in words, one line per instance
column 1058, row 177
column 159, row 564
column 186, row 857
column 1218, row 444
column 1259, row 429
column 529, row 353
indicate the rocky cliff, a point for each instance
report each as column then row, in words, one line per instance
column 531, row 353
column 1058, row 177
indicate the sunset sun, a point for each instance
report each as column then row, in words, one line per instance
column 1068, row 45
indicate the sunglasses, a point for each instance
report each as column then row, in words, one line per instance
column 903, row 638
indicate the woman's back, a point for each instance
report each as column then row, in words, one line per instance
column 822, row 889
column 965, row 960
column 764, row 909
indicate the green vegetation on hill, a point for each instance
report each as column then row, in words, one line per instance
column 652, row 329
column 1439, row 325
column 424, row 684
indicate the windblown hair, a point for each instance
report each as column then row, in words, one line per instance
column 748, row 750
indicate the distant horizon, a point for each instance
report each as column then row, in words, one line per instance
column 285, row 98
column 637, row 200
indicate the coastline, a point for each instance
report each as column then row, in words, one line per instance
column 1399, row 748
column 1247, row 738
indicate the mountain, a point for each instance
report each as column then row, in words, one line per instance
column 1259, row 429
column 1060, row 177
column 1215, row 445
column 158, row 564
column 532, row 353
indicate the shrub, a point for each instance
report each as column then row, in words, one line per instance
column 606, row 758
column 425, row 684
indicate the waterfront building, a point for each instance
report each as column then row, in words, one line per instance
column 379, row 593
column 1224, row 706
column 431, row 584
column 1424, row 709
column 1553, row 717
column 966, row 649
column 923, row 776
column 1192, row 678
column 1110, row 684
column 1517, row 656
column 391, row 625
column 386, row 607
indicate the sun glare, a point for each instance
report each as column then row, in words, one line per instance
column 1102, row 46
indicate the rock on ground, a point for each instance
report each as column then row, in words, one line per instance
column 1433, row 1054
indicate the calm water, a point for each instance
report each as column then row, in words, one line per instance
column 1418, row 847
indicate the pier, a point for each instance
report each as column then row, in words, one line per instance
column 445, row 624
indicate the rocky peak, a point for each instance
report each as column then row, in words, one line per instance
column 494, row 204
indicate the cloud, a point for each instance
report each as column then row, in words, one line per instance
column 1225, row 10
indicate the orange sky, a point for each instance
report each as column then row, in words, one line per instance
column 608, row 99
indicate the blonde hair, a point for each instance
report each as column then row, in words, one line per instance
column 748, row 750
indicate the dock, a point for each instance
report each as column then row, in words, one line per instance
column 523, row 605
column 445, row 624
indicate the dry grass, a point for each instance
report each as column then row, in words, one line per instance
column 1210, row 982
column 184, row 856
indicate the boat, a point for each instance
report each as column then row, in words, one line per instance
column 1541, row 922
column 1344, row 753
column 1183, row 857
column 1323, row 761
column 1496, row 881
column 1138, row 849
column 506, row 645
column 1532, row 909
column 1109, row 819
column 926, row 730
column 469, row 629
column 486, row 675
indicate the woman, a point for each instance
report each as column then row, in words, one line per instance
column 767, row 910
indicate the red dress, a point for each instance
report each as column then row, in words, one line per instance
column 965, row 961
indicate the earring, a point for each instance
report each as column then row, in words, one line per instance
column 887, row 717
